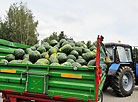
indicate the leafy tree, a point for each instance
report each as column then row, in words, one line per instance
column 4, row 31
column 19, row 25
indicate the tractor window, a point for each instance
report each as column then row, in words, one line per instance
column 122, row 54
column 110, row 54
column 128, row 54
column 117, row 56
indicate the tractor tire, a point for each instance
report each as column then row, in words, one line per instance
column 124, row 81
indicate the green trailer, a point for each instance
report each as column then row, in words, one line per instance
column 45, row 83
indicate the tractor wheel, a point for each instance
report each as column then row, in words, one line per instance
column 124, row 81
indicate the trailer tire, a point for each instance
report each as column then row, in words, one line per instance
column 106, row 84
column 124, row 81
column 101, row 97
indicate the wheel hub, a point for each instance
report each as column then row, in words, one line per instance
column 127, row 81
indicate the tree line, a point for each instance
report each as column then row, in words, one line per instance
column 19, row 25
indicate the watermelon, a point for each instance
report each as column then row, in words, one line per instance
column 66, row 64
column 72, row 44
column 40, row 63
column 79, row 44
column 66, row 48
column 61, row 42
column 41, row 49
column 70, row 60
column 26, row 56
column 16, row 61
column 46, row 45
column 84, row 66
column 86, row 50
column 34, row 56
column 43, row 60
column 71, row 41
column 10, row 57
column 26, row 62
column 52, row 50
column 45, row 55
column 84, row 46
column 28, row 50
column 75, row 53
column 19, row 53
column 95, row 44
column 92, row 48
column 76, row 64
column 64, row 43
column 36, row 46
column 72, row 57
column 33, row 48
column 81, row 61
column 78, row 49
column 54, row 55
column 89, row 56
column 4, row 60
column 80, row 57
column 92, row 63
column 53, row 59
column 95, row 51
column 57, row 46
column 62, row 57
column 53, row 42
column 55, row 64
column 26, row 59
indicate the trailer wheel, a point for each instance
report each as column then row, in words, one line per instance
column 101, row 97
column 106, row 84
column 124, row 81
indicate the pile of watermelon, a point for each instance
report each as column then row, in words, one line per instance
column 62, row 53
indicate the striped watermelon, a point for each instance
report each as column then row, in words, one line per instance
column 19, row 53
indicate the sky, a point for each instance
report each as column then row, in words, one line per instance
column 83, row 20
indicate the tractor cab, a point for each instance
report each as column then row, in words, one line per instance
column 118, row 53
